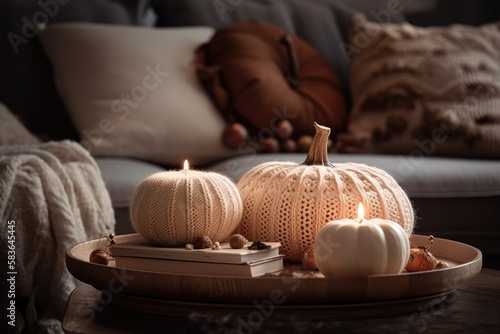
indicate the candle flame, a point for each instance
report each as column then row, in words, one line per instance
column 186, row 165
column 361, row 211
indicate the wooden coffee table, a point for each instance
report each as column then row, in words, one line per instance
column 473, row 308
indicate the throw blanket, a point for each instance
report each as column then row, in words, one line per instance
column 55, row 194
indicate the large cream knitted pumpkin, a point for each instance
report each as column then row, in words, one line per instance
column 174, row 208
column 290, row 203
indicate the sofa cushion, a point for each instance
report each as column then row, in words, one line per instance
column 12, row 132
column 419, row 176
column 324, row 24
column 133, row 92
column 413, row 87
column 122, row 176
column 253, row 70
column 27, row 84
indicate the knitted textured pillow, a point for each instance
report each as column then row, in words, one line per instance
column 424, row 90
column 257, row 73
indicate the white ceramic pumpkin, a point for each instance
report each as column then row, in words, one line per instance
column 347, row 248
column 290, row 202
column 174, row 208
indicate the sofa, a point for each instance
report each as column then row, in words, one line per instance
column 455, row 193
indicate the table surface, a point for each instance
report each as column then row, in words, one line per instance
column 473, row 308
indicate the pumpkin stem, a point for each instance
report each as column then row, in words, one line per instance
column 318, row 151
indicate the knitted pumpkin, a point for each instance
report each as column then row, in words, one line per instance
column 174, row 208
column 290, row 203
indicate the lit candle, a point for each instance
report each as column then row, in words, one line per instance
column 361, row 247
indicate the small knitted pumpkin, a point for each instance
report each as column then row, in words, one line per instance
column 174, row 208
column 290, row 203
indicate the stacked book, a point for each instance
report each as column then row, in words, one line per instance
column 141, row 255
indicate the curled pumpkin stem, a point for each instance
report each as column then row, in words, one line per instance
column 318, row 151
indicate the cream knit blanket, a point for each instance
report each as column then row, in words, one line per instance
column 55, row 194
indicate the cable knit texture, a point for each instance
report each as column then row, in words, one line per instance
column 290, row 203
column 55, row 194
column 175, row 207
column 435, row 90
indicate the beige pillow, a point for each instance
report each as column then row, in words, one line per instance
column 133, row 91
column 12, row 131
column 424, row 90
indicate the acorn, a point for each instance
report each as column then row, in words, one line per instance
column 100, row 256
column 202, row 242
column 237, row 241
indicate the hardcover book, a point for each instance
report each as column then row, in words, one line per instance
column 143, row 249
column 249, row 269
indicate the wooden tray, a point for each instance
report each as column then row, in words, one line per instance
column 175, row 294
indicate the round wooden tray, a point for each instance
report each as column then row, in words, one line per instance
column 299, row 291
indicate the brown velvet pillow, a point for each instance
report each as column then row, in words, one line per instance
column 258, row 74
